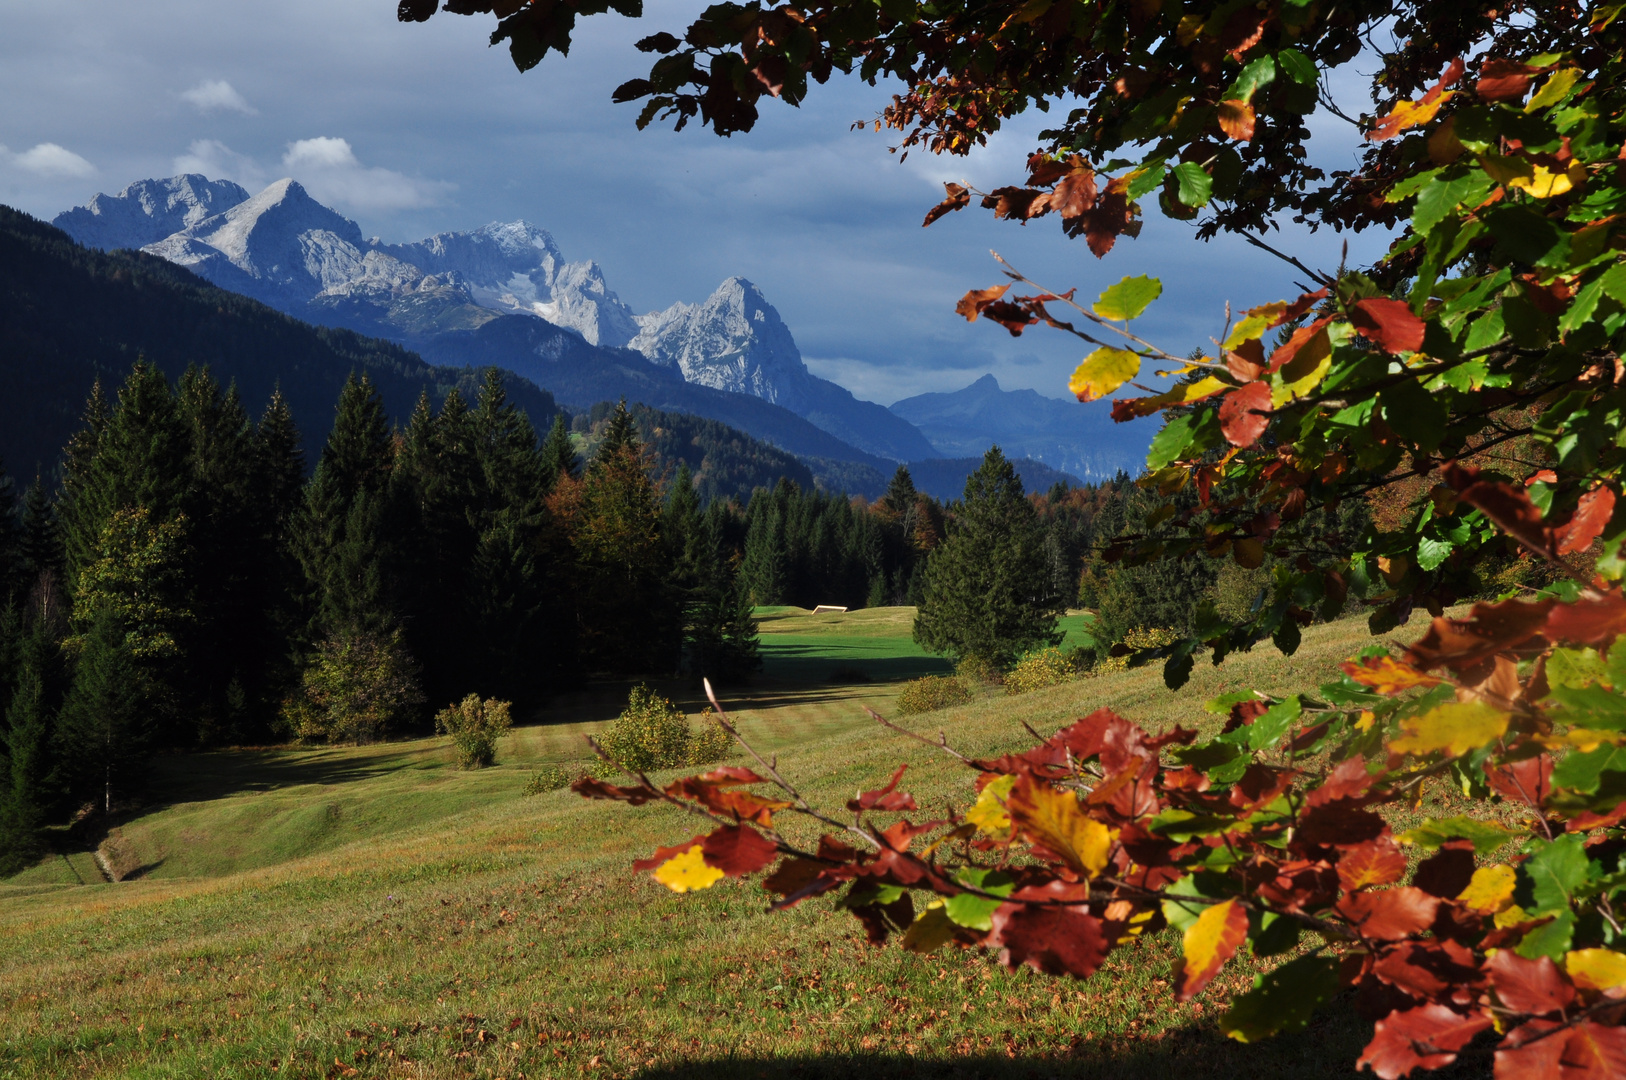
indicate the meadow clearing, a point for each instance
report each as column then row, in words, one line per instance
column 374, row 911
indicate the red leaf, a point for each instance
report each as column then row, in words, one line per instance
column 1044, row 171
column 1507, row 506
column 1246, row 362
column 1428, row 969
column 1215, row 937
column 1592, row 620
column 1590, row 819
column 958, row 198
column 973, row 302
column 1462, row 644
column 1058, row 940
column 1244, row 414
column 1453, row 72
column 1530, row 1053
column 711, row 791
column 1335, row 825
column 1592, row 514
column 1299, row 307
column 1349, row 780
column 1013, row 317
column 1289, row 349
column 1504, row 80
column 1594, row 1052
column 1446, row 873
column 884, row 798
column 1390, row 323
column 1389, row 915
column 1260, row 786
column 665, row 853
column 793, row 875
column 1237, row 120
column 1370, row 865
column 1074, row 195
column 1529, row 781
column 1535, row 986
column 880, row 920
column 736, row 850
column 1424, row 1037
column 589, row 788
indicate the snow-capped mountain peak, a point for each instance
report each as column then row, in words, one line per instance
column 149, row 210
column 732, row 340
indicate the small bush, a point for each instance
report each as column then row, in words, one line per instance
column 932, row 693
column 547, row 778
column 358, row 688
column 651, row 733
column 1136, row 640
column 979, row 671
column 1037, row 670
column 475, row 726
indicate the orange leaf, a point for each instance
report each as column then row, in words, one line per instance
column 1386, row 675
column 1407, row 114
column 1210, row 941
column 1592, row 513
column 1236, row 119
column 1243, row 414
column 1054, row 824
column 972, row 303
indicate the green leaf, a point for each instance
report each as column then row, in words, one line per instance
column 1283, row 1000
column 1268, row 728
column 1145, row 179
column 1296, row 66
column 1431, row 553
column 1272, row 934
column 1171, row 442
column 1551, row 941
column 1584, row 772
column 1128, row 298
column 976, row 912
column 1574, row 667
column 1258, row 73
column 1223, row 703
column 1182, row 915
column 1556, row 869
column 1485, row 836
column 1195, row 187
column 1591, row 706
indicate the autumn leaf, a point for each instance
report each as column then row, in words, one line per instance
column 957, row 198
column 1422, row 1038
column 1503, row 80
column 1370, row 865
column 737, row 851
column 1055, row 938
column 1102, row 372
column 1544, row 183
column 687, row 871
column 1254, row 322
column 885, row 799
column 1128, row 298
column 1455, row 727
column 1051, row 820
column 1386, row 675
column 1534, row 986
column 1389, row 914
column 1592, row 513
column 931, row 930
column 988, row 814
column 1243, row 414
column 1210, row 941
column 1406, row 115
column 972, row 303
column 1490, row 890
column 1389, row 323
column 1236, row 119
column 1603, row 970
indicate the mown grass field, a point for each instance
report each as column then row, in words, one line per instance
column 376, row 912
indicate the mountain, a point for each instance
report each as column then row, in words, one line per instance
column 148, row 210
column 286, row 249
column 71, row 315
column 1065, row 435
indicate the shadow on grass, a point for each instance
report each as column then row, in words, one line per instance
column 809, row 664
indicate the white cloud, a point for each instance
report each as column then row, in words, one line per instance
column 330, row 170
column 211, row 95
column 49, row 159
column 217, row 161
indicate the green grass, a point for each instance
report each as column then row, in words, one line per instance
column 308, row 912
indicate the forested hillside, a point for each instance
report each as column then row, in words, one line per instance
column 70, row 315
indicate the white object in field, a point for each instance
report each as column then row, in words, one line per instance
column 826, row 608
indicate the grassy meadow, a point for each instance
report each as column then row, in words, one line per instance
column 376, row 912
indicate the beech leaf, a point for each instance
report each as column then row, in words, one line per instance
column 1210, row 941
column 1128, row 298
column 1455, row 727
column 1052, row 821
column 687, row 871
column 1102, row 372
column 1283, row 1000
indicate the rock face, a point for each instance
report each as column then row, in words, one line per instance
column 1078, row 439
column 148, row 210
column 286, row 249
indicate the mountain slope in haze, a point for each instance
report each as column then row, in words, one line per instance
column 70, row 315
column 283, row 247
column 1074, row 438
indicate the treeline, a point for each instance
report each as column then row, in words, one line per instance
column 187, row 585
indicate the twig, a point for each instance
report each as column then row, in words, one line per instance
column 942, row 738
column 1314, row 274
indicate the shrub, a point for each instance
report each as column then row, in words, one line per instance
column 475, row 726
column 979, row 671
column 1135, row 640
column 652, row 733
column 547, row 778
column 932, row 693
column 358, row 688
column 1042, row 668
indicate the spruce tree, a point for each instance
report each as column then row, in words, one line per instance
column 41, row 538
column 104, row 729
column 13, row 565
column 30, row 774
column 280, row 463
column 763, row 568
column 558, row 455
column 618, row 433
column 513, row 469
column 900, row 492
column 987, row 590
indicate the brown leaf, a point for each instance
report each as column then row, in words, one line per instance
column 1530, row 1053
column 1370, row 865
column 972, row 303
column 1244, row 414
column 884, row 798
column 1074, row 195
column 1528, row 782
column 1447, row 872
column 1389, row 915
column 1489, row 629
column 1536, row 987
column 589, row 788
column 736, row 850
column 1389, row 323
column 1425, row 1037
column 957, row 199
column 1056, row 940
column 1246, row 362
column 1013, row 317
column 1338, row 825
column 1592, row 514
column 1504, row 80
column 1112, row 215
column 1594, row 1051
column 1237, row 120
column 1015, row 202
column 1427, row 969
column 1593, row 620
column 1044, row 171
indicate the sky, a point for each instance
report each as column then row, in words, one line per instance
column 412, row 129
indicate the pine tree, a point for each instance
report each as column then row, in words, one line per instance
column 512, row 468
column 618, row 433
column 280, row 464
column 102, row 732
column 41, row 537
column 900, row 492
column 13, row 565
column 988, row 591
column 558, row 455
column 763, row 569
column 29, row 777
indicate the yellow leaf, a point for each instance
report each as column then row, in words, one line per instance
column 1597, row 969
column 931, row 930
column 1455, row 727
column 687, row 871
column 1543, row 183
column 1510, row 916
column 1490, row 889
column 1182, row 394
column 1583, row 739
column 1210, row 941
column 1506, row 170
column 1255, row 323
column 1102, row 372
column 1366, row 720
column 1410, row 114
column 1052, row 821
column 1553, row 90
column 989, row 813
